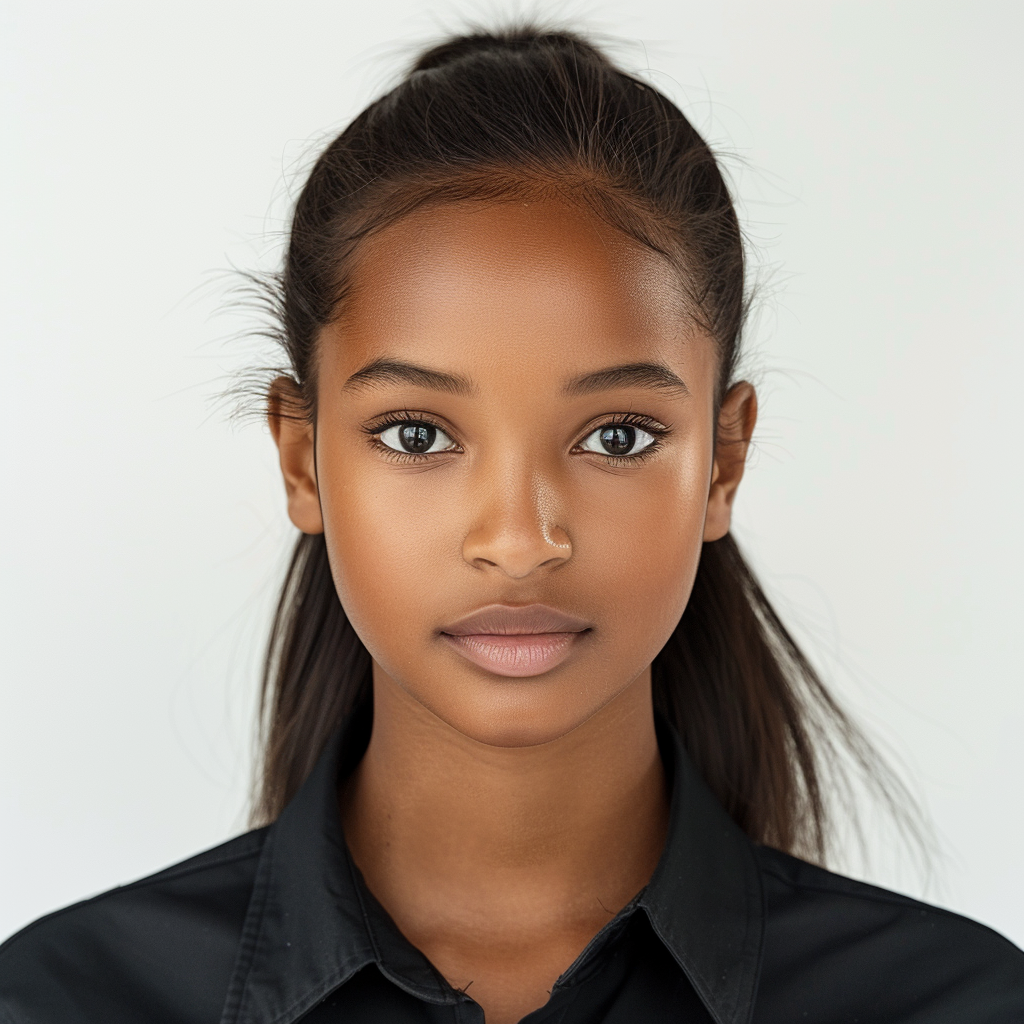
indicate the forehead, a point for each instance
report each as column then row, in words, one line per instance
column 543, row 283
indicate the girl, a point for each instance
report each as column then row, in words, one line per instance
column 537, row 746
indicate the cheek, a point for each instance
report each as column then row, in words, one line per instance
column 645, row 542
column 389, row 541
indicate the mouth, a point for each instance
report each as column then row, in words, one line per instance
column 516, row 641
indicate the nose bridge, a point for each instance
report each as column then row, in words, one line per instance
column 517, row 520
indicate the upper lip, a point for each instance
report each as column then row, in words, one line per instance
column 511, row 619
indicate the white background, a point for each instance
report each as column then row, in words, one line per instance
column 876, row 148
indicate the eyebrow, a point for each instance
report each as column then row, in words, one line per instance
column 630, row 375
column 396, row 371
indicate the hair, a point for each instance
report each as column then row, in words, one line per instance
column 528, row 112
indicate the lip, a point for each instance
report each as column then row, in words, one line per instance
column 506, row 619
column 527, row 640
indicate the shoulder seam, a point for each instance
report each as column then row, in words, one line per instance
column 894, row 899
column 167, row 874
column 252, row 848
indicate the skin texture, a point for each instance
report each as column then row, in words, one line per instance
column 502, row 821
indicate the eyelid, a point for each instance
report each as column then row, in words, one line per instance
column 630, row 419
column 451, row 445
column 637, row 421
column 389, row 419
column 380, row 425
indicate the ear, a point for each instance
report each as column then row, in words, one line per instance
column 736, row 421
column 293, row 435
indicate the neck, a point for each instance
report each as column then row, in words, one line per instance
column 437, row 821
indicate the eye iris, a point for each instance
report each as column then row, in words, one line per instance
column 417, row 437
column 618, row 440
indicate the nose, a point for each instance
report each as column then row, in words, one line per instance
column 514, row 529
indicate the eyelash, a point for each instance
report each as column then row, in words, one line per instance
column 629, row 419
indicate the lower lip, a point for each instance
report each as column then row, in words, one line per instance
column 515, row 654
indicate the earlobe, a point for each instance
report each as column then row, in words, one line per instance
column 293, row 434
column 736, row 421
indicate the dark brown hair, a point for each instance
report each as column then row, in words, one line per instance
column 520, row 112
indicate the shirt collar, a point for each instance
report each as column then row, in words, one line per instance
column 311, row 922
column 704, row 899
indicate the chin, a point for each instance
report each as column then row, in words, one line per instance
column 517, row 715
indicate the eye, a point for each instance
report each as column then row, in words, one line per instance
column 414, row 437
column 618, row 439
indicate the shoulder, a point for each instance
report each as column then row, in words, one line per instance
column 831, row 940
column 167, row 940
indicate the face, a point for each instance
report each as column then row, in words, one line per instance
column 513, row 412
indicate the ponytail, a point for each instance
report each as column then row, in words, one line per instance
column 754, row 715
column 315, row 675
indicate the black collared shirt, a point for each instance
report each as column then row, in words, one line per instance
column 277, row 926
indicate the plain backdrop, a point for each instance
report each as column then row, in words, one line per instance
column 875, row 149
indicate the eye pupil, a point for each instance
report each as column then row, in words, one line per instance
column 417, row 437
column 619, row 439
